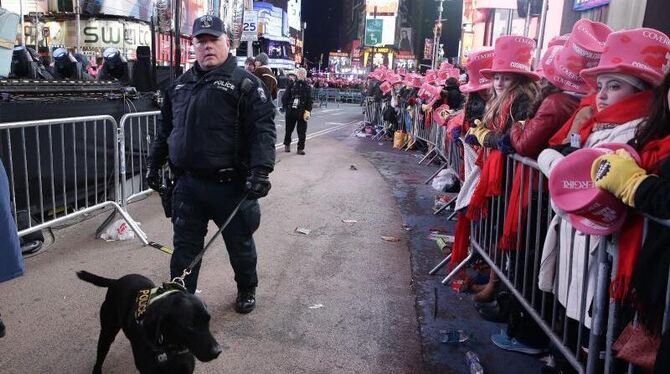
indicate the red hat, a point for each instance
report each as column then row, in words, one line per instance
column 642, row 53
column 393, row 79
column 476, row 62
column 561, row 65
column 558, row 40
column 590, row 209
column 513, row 54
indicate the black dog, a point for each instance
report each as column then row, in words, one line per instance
column 166, row 325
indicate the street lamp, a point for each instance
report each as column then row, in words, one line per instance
column 437, row 32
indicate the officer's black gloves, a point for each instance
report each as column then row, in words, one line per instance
column 154, row 179
column 258, row 184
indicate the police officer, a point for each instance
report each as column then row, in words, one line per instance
column 217, row 128
column 297, row 103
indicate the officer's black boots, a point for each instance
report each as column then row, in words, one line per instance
column 301, row 152
column 246, row 301
column 287, row 148
column 2, row 329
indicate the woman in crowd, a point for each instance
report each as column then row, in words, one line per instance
column 631, row 64
column 562, row 90
column 11, row 261
column 515, row 92
column 477, row 91
column 646, row 187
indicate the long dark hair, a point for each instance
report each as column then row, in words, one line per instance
column 474, row 107
column 657, row 124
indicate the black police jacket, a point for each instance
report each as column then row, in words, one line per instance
column 300, row 90
column 209, row 116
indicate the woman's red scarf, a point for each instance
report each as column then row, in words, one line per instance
column 490, row 180
column 630, row 238
column 511, row 229
column 633, row 107
column 461, row 240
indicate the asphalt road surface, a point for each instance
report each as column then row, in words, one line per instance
column 338, row 300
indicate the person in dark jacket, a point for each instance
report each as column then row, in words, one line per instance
column 297, row 104
column 11, row 261
column 217, row 129
column 263, row 72
column 645, row 186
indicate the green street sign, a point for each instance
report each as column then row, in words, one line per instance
column 373, row 32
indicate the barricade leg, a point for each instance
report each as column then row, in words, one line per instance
column 599, row 307
column 442, row 167
column 428, row 154
column 440, row 265
column 458, row 268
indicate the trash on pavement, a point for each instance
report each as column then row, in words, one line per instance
column 349, row 221
column 302, row 230
column 474, row 365
column 407, row 227
column 316, row 306
column 119, row 230
column 353, row 167
column 453, row 336
column 390, row 238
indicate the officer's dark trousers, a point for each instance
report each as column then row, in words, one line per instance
column 195, row 202
column 294, row 117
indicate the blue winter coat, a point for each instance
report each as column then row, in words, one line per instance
column 11, row 261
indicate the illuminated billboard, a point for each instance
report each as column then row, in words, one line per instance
column 381, row 6
column 294, row 20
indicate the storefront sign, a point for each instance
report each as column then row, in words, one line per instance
column 381, row 6
column 270, row 19
column 250, row 26
column 428, row 49
column 94, row 34
column 373, row 31
column 581, row 5
column 294, row 18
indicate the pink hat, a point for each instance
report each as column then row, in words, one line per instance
column 642, row 53
column 429, row 93
column 413, row 80
column 401, row 71
column 431, row 75
column 476, row 62
column 562, row 65
column 590, row 210
column 513, row 54
column 445, row 65
column 394, row 79
column 385, row 87
column 558, row 40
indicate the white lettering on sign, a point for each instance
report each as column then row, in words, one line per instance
column 649, row 34
column 578, row 185
column 519, row 65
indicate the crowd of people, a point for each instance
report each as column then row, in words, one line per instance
column 597, row 107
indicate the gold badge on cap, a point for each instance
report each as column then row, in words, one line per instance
column 206, row 22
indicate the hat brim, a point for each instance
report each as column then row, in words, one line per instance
column 213, row 33
column 590, row 76
column 468, row 88
column 489, row 73
column 591, row 227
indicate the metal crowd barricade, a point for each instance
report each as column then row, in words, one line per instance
column 60, row 169
column 519, row 268
column 138, row 131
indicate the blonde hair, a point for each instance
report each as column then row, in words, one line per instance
column 521, row 86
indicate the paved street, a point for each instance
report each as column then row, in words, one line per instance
column 366, row 324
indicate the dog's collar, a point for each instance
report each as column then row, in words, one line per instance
column 148, row 296
column 163, row 355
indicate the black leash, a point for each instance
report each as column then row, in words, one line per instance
column 189, row 268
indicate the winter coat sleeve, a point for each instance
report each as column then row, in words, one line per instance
column 308, row 98
column 520, row 111
column 159, row 147
column 531, row 138
column 286, row 98
column 653, row 194
column 259, row 128
column 266, row 76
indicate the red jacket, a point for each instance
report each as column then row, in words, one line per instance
column 533, row 137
